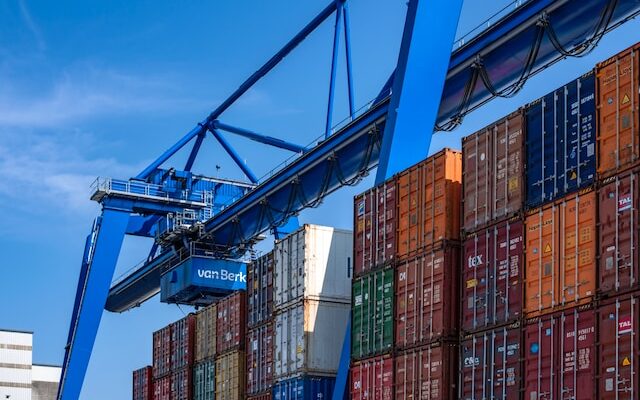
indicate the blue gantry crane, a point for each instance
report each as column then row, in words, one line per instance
column 204, row 227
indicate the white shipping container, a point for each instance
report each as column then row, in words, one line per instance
column 313, row 263
column 308, row 338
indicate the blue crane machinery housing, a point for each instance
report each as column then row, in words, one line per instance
column 204, row 228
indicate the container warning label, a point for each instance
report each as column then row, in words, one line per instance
column 471, row 283
column 625, row 99
column 547, row 248
column 625, row 325
column 626, row 362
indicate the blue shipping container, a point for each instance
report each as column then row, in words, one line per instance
column 202, row 279
column 561, row 141
column 304, row 388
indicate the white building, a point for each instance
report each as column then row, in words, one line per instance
column 19, row 378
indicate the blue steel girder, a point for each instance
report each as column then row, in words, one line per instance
column 234, row 155
column 93, row 288
column 271, row 141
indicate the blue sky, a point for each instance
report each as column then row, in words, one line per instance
column 103, row 88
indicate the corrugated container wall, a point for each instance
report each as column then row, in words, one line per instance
column 162, row 388
column 561, row 141
column 375, row 227
column 618, row 114
column 303, row 388
column 428, row 372
column 204, row 380
column 260, row 290
column 205, row 346
column 429, row 203
column 618, row 233
column 427, row 296
column 561, row 254
column 260, row 359
column 182, row 384
column 142, row 384
column 162, row 352
column 560, row 356
column 230, row 376
column 490, row 364
column 313, row 263
column 372, row 314
column 232, row 322
column 619, row 348
column 183, row 334
column 493, row 172
column 307, row 339
column 262, row 396
column 492, row 274
column 372, row 379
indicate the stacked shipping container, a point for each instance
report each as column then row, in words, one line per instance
column 142, row 384
column 231, row 326
column 405, row 289
column 204, row 370
column 312, row 295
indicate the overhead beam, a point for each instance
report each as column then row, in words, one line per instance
column 234, row 155
column 271, row 141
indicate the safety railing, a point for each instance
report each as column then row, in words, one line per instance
column 140, row 188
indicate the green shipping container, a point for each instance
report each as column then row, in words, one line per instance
column 204, row 380
column 372, row 324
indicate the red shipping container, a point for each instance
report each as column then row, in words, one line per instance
column 492, row 276
column 375, row 227
column 232, row 322
column 262, row 396
column 560, row 356
column 260, row 358
column 181, row 384
column 372, row 379
column 427, row 296
column 162, row 388
column 428, row 372
column 619, row 348
column 162, row 352
column 260, row 290
column 183, row 333
column 490, row 364
column 619, row 230
column 142, row 385
column 493, row 172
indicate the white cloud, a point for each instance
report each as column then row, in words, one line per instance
column 83, row 92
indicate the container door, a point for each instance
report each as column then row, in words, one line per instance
column 619, row 353
column 619, row 229
column 477, row 178
column 508, row 174
column 540, row 360
column 541, row 258
column 476, row 286
column 577, row 337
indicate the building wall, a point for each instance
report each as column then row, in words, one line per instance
column 15, row 365
column 44, row 384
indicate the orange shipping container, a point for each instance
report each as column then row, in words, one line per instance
column 429, row 202
column 561, row 254
column 618, row 101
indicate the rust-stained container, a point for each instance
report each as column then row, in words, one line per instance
column 182, row 347
column 162, row 388
column 428, row 372
column 427, row 296
column 560, row 356
column 493, row 172
column 617, row 87
column 231, row 376
column 162, row 352
column 232, row 322
column 561, row 254
column 260, row 359
column 205, row 346
column 490, row 365
column 142, row 384
column 619, row 348
column 182, row 384
column 375, row 227
column 492, row 275
column 372, row 379
column 429, row 203
column 618, row 233
column 260, row 290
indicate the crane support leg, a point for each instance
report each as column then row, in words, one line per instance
column 101, row 256
column 429, row 33
column 427, row 40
